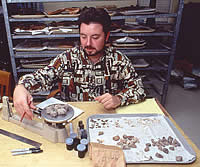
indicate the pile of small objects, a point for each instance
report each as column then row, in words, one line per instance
column 126, row 142
column 161, row 145
column 57, row 109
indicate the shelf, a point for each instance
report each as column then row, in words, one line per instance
column 37, row 54
column 154, row 52
column 45, row 36
column 154, row 86
column 143, row 52
column 146, row 52
column 158, row 15
column 153, row 49
column 44, row 19
column 140, row 16
column 77, row 35
column 151, row 69
column 149, row 50
column 141, row 34
column 24, row 1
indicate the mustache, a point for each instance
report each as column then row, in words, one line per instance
column 89, row 47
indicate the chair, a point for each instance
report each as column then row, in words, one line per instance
column 5, row 84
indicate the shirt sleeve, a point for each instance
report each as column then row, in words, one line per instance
column 133, row 89
column 44, row 79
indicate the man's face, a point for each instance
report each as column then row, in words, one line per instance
column 92, row 38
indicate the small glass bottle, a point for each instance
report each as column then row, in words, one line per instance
column 81, row 150
column 83, row 132
column 76, row 143
column 75, row 139
column 69, row 143
column 80, row 123
column 85, row 142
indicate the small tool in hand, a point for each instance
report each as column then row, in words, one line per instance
column 22, row 116
column 24, row 111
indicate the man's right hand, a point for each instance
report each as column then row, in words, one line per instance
column 23, row 101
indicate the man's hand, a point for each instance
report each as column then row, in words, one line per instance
column 23, row 101
column 109, row 101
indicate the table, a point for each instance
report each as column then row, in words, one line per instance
column 55, row 154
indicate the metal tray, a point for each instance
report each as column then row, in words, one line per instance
column 129, row 44
column 62, row 15
column 170, row 130
column 27, row 16
column 59, row 118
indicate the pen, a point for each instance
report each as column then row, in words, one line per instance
column 26, row 151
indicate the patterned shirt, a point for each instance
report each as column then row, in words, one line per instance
column 83, row 80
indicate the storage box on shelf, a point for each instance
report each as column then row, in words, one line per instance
column 150, row 40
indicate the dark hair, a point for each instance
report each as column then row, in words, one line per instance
column 95, row 15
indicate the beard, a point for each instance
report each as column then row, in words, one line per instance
column 95, row 54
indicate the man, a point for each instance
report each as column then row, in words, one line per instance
column 89, row 72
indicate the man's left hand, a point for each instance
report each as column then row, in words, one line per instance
column 109, row 101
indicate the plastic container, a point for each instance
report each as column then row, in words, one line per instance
column 69, row 143
column 76, row 143
column 81, row 148
column 85, row 142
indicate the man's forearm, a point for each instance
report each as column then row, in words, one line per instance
column 131, row 95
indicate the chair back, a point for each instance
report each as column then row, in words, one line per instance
column 5, row 84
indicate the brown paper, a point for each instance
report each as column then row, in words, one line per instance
column 106, row 156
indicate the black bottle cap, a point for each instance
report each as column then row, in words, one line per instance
column 80, row 123
column 81, row 126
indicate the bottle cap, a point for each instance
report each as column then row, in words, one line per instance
column 81, row 147
column 69, row 141
column 84, row 141
column 73, row 135
column 80, row 123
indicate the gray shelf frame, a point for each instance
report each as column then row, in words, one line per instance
column 159, row 15
column 151, row 52
column 25, row 1
column 171, row 57
column 164, row 34
column 148, row 52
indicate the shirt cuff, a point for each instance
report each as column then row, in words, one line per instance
column 26, row 85
column 122, row 99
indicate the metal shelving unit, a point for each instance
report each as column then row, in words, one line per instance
column 159, row 51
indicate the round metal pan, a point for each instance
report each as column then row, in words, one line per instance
column 59, row 118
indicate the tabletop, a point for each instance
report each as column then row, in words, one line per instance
column 56, row 154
